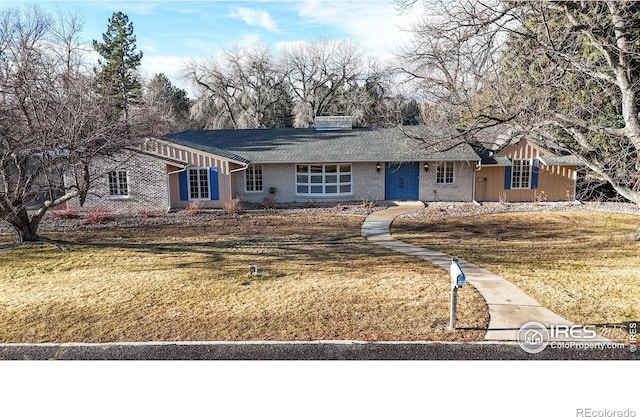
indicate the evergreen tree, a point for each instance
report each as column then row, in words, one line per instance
column 166, row 105
column 118, row 80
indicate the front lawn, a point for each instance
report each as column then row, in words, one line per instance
column 321, row 281
column 582, row 265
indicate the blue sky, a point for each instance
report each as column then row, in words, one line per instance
column 170, row 33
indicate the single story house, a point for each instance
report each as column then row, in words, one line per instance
column 211, row 167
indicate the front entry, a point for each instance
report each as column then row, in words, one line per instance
column 401, row 181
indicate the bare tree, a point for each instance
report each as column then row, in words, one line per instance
column 50, row 120
column 321, row 74
column 250, row 87
column 242, row 89
column 567, row 71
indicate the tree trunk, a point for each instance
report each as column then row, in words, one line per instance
column 25, row 229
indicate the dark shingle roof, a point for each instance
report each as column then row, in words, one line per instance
column 308, row 145
column 564, row 160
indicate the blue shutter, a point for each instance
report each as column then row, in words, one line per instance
column 534, row 173
column 213, row 184
column 507, row 178
column 183, row 179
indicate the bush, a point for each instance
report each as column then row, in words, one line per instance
column 194, row 208
column 269, row 202
column 97, row 215
column 232, row 206
column 148, row 214
column 367, row 204
column 65, row 214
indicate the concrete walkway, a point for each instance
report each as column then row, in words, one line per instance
column 509, row 307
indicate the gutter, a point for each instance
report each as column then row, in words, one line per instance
column 169, row 184
column 475, row 179
column 244, row 168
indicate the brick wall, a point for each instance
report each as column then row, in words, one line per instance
column 460, row 190
column 146, row 180
column 367, row 184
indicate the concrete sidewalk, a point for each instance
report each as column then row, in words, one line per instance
column 509, row 307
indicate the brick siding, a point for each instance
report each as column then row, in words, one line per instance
column 146, row 180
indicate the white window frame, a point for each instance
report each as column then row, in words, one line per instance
column 115, row 183
column 253, row 179
column 519, row 175
column 322, row 175
column 442, row 171
column 200, row 184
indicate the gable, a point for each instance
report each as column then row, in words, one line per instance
column 525, row 149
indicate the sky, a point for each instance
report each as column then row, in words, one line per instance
column 171, row 33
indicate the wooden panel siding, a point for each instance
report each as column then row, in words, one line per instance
column 489, row 184
column 192, row 158
column 555, row 183
column 524, row 150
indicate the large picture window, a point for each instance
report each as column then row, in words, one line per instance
column 118, row 184
column 253, row 177
column 521, row 174
column 318, row 180
column 444, row 173
column 198, row 184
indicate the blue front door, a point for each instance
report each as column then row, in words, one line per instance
column 401, row 181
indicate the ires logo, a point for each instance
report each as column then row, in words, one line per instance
column 572, row 332
column 534, row 337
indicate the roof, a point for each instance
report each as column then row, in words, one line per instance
column 415, row 143
column 564, row 160
column 166, row 159
column 497, row 161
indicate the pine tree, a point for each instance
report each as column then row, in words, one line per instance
column 119, row 63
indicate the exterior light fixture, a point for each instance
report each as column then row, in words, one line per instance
column 426, row 167
column 378, row 167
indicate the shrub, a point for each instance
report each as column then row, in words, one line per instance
column 194, row 208
column 366, row 204
column 539, row 198
column 65, row 214
column 269, row 202
column 97, row 215
column 232, row 206
column 148, row 214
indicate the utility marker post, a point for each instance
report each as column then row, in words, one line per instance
column 457, row 281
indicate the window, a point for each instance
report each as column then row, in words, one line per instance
column 444, row 173
column 253, row 177
column 521, row 174
column 118, row 186
column 323, row 179
column 198, row 184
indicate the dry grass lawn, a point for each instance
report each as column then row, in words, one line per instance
column 581, row 265
column 321, row 281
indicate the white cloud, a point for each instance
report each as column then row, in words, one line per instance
column 171, row 66
column 377, row 25
column 147, row 45
column 253, row 17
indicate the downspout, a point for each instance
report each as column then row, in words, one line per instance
column 575, row 186
column 169, row 183
column 473, row 187
column 244, row 168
